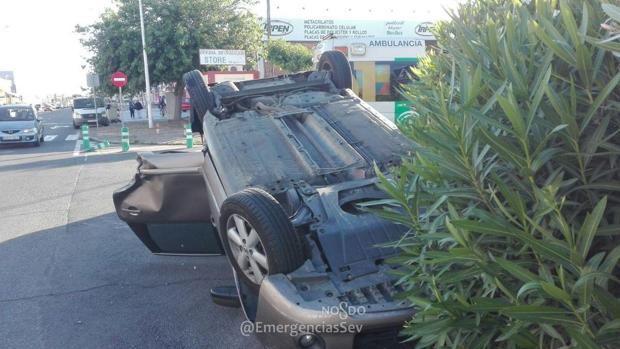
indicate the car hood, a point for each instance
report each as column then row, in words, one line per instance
column 16, row 125
column 89, row 110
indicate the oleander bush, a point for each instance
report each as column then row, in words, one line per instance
column 512, row 196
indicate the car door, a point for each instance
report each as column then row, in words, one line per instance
column 166, row 205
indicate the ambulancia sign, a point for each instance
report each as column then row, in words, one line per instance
column 222, row 57
column 296, row 29
column 376, row 49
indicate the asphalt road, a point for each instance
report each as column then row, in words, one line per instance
column 72, row 275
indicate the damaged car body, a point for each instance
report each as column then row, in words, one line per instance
column 285, row 162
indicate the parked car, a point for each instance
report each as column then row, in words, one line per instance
column 89, row 110
column 286, row 162
column 20, row 124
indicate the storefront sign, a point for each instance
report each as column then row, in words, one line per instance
column 222, row 57
column 296, row 29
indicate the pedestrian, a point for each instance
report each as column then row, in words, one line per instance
column 132, row 112
column 162, row 105
column 138, row 107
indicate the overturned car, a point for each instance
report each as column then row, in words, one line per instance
column 285, row 162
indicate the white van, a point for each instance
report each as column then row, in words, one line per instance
column 89, row 110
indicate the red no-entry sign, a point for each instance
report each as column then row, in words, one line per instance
column 119, row 79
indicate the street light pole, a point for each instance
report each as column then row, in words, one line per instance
column 269, row 31
column 146, row 69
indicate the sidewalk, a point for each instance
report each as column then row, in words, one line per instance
column 164, row 132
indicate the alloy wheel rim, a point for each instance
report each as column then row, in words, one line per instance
column 247, row 248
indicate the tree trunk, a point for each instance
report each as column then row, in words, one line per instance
column 179, row 92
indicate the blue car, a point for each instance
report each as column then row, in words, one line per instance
column 20, row 124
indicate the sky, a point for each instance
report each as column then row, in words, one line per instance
column 39, row 44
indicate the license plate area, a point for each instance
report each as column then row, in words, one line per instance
column 10, row 138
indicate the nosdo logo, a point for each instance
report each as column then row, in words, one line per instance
column 343, row 310
column 424, row 29
column 279, row 28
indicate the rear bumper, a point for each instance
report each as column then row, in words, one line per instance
column 281, row 307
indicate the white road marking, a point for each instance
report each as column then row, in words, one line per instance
column 76, row 150
column 72, row 137
column 55, row 127
column 49, row 138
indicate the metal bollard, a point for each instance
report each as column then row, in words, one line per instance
column 189, row 137
column 85, row 138
column 125, row 139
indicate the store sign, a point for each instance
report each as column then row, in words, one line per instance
column 222, row 57
column 376, row 49
column 279, row 28
column 296, row 29
column 424, row 29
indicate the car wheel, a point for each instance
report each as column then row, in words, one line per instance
column 258, row 237
column 336, row 62
column 75, row 126
column 105, row 121
column 202, row 97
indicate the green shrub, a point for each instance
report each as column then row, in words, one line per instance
column 289, row 57
column 513, row 193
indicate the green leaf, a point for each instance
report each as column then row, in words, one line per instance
column 600, row 99
column 504, row 149
column 528, row 287
column 511, row 109
column 611, row 326
column 516, row 270
column 550, row 251
column 541, row 314
column 611, row 261
column 583, row 340
column 559, row 51
column 556, row 292
column 612, row 11
column 590, row 227
column 569, row 22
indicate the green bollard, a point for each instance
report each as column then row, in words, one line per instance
column 189, row 137
column 125, row 139
column 85, row 138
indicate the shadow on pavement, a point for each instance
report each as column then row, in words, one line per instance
column 65, row 161
column 92, row 284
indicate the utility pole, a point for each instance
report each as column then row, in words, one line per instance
column 268, row 21
column 269, row 30
column 146, row 70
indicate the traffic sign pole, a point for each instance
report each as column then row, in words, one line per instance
column 119, row 79
column 120, row 104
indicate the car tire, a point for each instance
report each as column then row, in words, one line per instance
column 336, row 62
column 202, row 97
column 105, row 121
column 275, row 239
column 75, row 126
